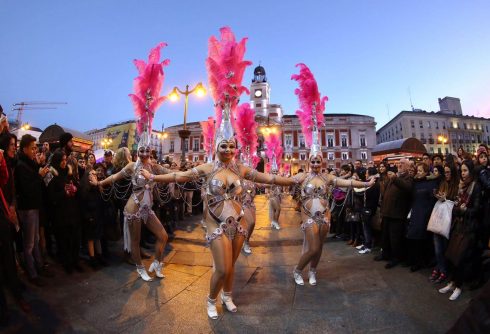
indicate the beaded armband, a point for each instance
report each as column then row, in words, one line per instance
column 251, row 175
column 195, row 173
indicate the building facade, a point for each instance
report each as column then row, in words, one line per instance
column 443, row 131
column 123, row 134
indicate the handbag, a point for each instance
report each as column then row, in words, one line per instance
column 338, row 195
column 440, row 218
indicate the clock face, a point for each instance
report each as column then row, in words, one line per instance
column 258, row 93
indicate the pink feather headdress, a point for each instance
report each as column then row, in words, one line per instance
column 225, row 67
column 208, row 136
column 147, row 86
column 246, row 131
column 274, row 148
column 311, row 104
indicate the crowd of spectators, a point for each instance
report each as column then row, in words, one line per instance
column 396, row 215
column 51, row 214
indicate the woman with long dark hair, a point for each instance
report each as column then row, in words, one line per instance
column 448, row 190
column 465, row 225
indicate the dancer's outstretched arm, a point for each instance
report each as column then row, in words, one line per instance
column 127, row 170
column 258, row 177
column 338, row 182
column 178, row 177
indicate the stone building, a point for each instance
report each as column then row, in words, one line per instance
column 443, row 131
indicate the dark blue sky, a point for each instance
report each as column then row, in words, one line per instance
column 364, row 54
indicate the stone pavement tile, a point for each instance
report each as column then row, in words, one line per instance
column 376, row 310
column 271, row 277
column 186, row 313
column 363, row 280
column 201, row 285
column 188, row 269
column 192, row 259
column 263, row 300
column 307, row 322
column 188, row 247
column 273, row 259
column 242, row 323
column 326, row 296
column 120, row 309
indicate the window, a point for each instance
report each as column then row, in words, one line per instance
column 258, row 105
column 345, row 156
column 330, row 156
column 196, row 145
column 362, row 140
column 412, row 124
column 447, row 150
column 422, row 135
column 437, row 125
column 301, row 141
column 302, row 156
column 444, row 125
column 172, row 146
column 464, row 126
column 195, row 158
column 421, row 124
column 330, row 140
column 343, row 140
column 428, row 124
column 288, row 140
column 413, row 135
column 401, row 127
column 439, row 150
column 364, row 155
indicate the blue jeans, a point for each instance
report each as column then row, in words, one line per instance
column 29, row 220
column 440, row 245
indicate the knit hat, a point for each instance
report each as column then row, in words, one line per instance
column 481, row 150
column 65, row 138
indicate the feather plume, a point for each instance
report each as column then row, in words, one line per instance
column 208, row 135
column 255, row 160
column 309, row 100
column 274, row 146
column 147, row 86
column 225, row 67
column 246, row 130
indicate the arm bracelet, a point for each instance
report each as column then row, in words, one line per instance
column 152, row 177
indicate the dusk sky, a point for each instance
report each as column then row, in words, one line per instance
column 364, row 54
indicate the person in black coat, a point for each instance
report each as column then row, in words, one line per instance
column 423, row 201
column 462, row 249
column 369, row 211
column 28, row 186
column 66, row 214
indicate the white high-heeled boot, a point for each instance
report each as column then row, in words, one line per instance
column 157, row 267
column 275, row 225
column 143, row 274
column 246, row 248
column 211, row 307
column 228, row 301
column 297, row 277
column 312, row 276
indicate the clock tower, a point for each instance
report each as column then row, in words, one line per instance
column 260, row 99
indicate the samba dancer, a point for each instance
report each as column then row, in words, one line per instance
column 223, row 178
column 315, row 213
column 138, row 209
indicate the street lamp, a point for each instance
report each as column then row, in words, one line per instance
column 443, row 140
column 174, row 96
column 106, row 142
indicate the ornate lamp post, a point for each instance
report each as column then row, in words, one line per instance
column 174, row 96
column 106, row 142
column 443, row 140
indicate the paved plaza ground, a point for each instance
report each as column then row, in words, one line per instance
column 354, row 294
